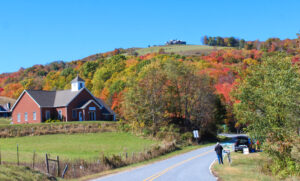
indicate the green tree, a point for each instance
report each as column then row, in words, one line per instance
column 269, row 104
column 89, row 68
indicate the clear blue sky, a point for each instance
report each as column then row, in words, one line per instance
column 39, row 32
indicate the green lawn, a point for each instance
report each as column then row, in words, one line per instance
column 244, row 168
column 84, row 146
column 179, row 49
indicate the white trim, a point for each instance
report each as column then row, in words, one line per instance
column 34, row 115
column 12, row 108
column 89, row 102
column 26, row 116
column 21, row 97
column 104, row 105
column 19, row 117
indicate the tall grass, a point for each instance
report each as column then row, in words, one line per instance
column 56, row 128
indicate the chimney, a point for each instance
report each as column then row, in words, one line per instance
column 8, row 106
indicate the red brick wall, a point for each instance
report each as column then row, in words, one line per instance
column 53, row 113
column 81, row 99
column 26, row 104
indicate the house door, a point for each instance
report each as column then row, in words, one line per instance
column 92, row 116
column 80, row 116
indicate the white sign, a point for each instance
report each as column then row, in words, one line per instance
column 246, row 151
column 92, row 108
column 196, row 134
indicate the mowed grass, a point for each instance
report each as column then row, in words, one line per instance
column 244, row 168
column 71, row 147
column 179, row 49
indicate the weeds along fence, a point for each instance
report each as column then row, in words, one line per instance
column 55, row 128
column 56, row 166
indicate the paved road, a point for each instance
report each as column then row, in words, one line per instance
column 193, row 165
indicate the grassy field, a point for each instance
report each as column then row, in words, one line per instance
column 11, row 173
column 5, row 100
column 244, row 168
column 76, row 146
column 180, row 49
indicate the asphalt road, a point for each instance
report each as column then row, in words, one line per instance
column 190, row 166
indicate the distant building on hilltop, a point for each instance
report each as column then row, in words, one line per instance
column 175, row 42
column 5, row 110
column 76, row 104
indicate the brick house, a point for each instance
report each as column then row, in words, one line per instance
column 76, row 104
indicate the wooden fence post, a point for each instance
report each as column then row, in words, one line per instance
column 33, row 159
column 18, row 154
column 74, row 173
column 47, row 163
column 0, row 156
column 57, row 158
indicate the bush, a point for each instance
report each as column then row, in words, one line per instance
column 187, row 136
column 52, row 121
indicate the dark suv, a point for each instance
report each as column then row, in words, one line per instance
column 241, row 142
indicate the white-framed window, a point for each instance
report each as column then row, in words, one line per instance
column 59, row 114
column 26, row 116
column 34, row 116
column 19, row 117
column 48, row 115
column 74, row 114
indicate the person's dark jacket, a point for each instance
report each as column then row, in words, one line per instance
column 219, row 149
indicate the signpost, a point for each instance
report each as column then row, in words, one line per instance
column 196, row 135
column 246, row 151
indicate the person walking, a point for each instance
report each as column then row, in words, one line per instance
column 219, row 150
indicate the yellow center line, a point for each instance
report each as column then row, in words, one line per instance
column 151, row 178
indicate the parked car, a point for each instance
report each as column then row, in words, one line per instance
column 241, row 142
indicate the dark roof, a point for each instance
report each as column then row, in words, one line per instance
column 61, row 98
column 77, row 79
column 109, row 110
column 3, row 108
column 53, row 98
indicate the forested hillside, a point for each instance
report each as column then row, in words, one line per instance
column 114, row 75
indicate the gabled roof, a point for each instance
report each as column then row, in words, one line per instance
column 60, row 98
column 53, row 98
column 89, row 102
column 105, row 106
column 50, row 98
column 3, row 108
column 77, row 79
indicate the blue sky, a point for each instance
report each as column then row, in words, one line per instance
column 39, row 32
